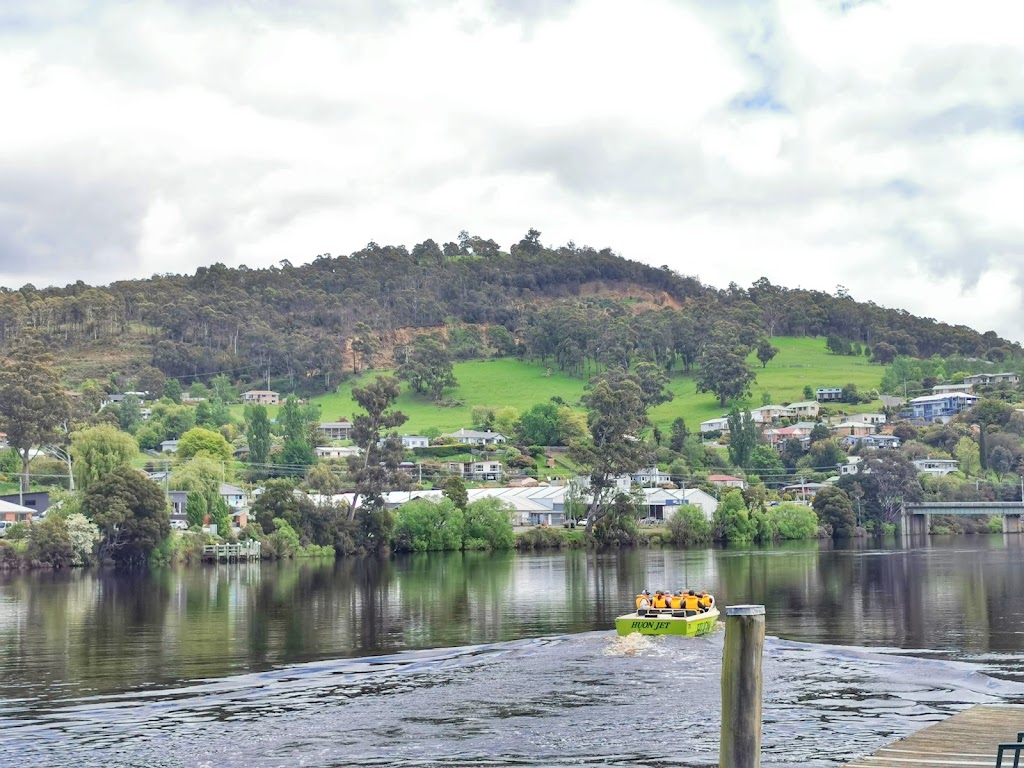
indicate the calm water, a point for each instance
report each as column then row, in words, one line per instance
column 468, row 659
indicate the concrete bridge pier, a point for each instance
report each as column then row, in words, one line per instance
column 1011, row 524
column 914, row 524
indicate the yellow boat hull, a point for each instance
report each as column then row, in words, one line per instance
column 666, row 624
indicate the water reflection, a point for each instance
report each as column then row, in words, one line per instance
column 72, row 634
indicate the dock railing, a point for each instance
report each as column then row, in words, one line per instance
column 243, row 550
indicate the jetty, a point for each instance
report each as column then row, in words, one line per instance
column 968, row 738
column 245, row 550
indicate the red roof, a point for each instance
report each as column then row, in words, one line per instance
column 723, row 478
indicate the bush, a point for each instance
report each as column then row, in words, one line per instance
column 732, row 520
column 793, row 521
column 426, row 526
column 283, row 541
column 10, row 557
column 49, row 543
column 489, row 525
column 543, row 538
column 689, row 527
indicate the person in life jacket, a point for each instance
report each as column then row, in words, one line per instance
column 690, row 602
column 704, row 600
column 677, row 600
column 643, row 600
column 659, row 600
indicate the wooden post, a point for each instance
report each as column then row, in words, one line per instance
column 740, row 745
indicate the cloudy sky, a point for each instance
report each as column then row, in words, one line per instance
column 876, row 145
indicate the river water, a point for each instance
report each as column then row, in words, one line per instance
column 498, row 659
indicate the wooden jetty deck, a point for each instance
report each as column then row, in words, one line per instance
column 247, row 550
column 968, row 738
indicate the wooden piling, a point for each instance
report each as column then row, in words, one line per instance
column 740, row 744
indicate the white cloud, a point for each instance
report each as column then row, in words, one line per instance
column 878, row 145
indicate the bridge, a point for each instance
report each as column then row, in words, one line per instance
column 915, row 519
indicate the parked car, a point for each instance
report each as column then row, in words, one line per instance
column 179, row 525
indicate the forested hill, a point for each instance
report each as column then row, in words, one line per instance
column 572, row 305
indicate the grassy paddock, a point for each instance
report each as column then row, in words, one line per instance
column 497, row 383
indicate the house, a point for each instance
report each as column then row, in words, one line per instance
column 870, row 442
column 37, row 501
column 715, row 425
column 178, row 500
column 828, row 394
column 11, row 513
column 941, row 408
column 769, row 413
column 852, row 428
column 778, row 437
column 260, row 397
column 727, row 481
column 936, row 466
column 411, row 442
column 169, row 446
column 946, row 389
column 985, row 379
column 808, row 409
column 871, row 418
column 336, row 430
column 145, row 413
column 651, row 476
column 336, row 451
column 234, row 496
column 803, row 491
column 474, row 437
column 852, row 466
column 702, row 499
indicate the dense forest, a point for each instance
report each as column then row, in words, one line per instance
column 574, row 306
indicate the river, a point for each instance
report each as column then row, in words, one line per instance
column 498, row 659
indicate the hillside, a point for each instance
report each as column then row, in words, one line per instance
column 521, row 384
column 307, row 327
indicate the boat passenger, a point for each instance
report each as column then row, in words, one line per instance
column 659, row 600
column 643, row 600
column 690, row 602
column 704, row 601
column 677, row 601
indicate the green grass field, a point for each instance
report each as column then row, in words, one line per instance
column 801, row 361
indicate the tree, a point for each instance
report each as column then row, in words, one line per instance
column 32, row 401
column 1000, row 460
column 428, row 367
column 890, row 481
column 724, row 371
column 501, row 340
column 766, row 352
column 884, row 353
column 454, row 489
column 195, row 510
column 203, row 442
column 173, row 390
column 689, row 527
column 679, row 434
column 129, row 414
column 808, row 392
column 653, row 383
column 365, row 344
column 765, row 462
column 482, row 417
column 506, row 420
column 132, row 515
column 297, row 451
column 98, row 450
column 377, row 469
column 837, row 345
column 819, row 432
column 322, row 479
column 539, row 425
column 257, row 433
column 201, row 475
column 427, row 526
column 220, row 515
column 616, row 416
column 572, row 425
column 732, row 520
column 488, row 525
column 743, row 436
column 835, row 509
column 969, row 456
column 151, row 381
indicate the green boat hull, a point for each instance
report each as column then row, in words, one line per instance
column 690, row 626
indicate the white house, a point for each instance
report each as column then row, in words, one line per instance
column 936, row 466
column 169, row 446
column 871, row 418
column 475, row 437
column 947, row 389
column 852, row 466
column 260, row 396
column 234, row 496
column 702, row 499
column 410, row 442
column 992, row 378
column 715, row 425
column 727, row 481
column 807, row 409
column 336, row 430
column 651, row 476
column 336, row 451
column 769, row 413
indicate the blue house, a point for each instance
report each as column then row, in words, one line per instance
column 941, row 408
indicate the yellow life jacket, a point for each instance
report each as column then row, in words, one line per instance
column 690, row 603
column 660, row 602
column 641, row 599
column 677, row 602
column 705, row 601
